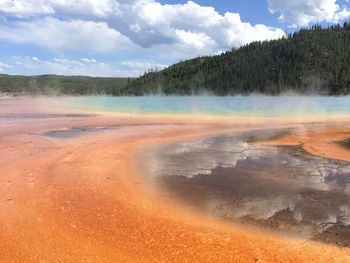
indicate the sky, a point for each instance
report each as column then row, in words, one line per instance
column 119, row 38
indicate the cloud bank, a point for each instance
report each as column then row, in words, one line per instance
column 79, row 67
column 109, row 24
column 147, row 32
column 302, row 13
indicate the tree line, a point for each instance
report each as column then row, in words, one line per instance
column 61, row 85
column 312, row 60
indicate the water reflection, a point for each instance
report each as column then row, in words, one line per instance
column 280, row 188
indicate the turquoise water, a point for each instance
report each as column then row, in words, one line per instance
column 221, row 106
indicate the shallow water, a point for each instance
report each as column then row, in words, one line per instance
column 77, row 131
column 81, row 131
column 345, row 143
column 223, row 106
column 283, row 189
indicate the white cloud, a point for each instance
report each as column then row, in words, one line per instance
column 174, row 24
column 77, row 67
column 23, row 8
column 56, row 34
column 141, row 66
column 89, row 60
column 145, row 28
column 78, row 8
column 303, row 13
column 63, row 66
column 199, row 41
column 145, row 22
column 4, row 66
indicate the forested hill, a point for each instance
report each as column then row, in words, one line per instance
column 315, row 60
column 61, row 85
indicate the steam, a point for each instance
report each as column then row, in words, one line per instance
column 295, row 107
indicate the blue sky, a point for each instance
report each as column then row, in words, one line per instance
column 126, row 37
column 252, row 11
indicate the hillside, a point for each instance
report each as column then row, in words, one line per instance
column 315, row 60
column 61, row 85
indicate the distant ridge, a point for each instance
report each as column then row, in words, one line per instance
column 310, row 61
column 61, row 85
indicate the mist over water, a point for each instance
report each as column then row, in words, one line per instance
column 250, row 106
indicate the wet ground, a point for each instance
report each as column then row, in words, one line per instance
column 282, row 189
column 43, row 116
column 81, row 131
column 345, row 143
column 78, row 131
